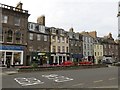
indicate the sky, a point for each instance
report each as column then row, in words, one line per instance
column 82, row 15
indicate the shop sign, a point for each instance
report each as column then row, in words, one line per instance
column 11, row 47
column 41, row 53
column 61, row 54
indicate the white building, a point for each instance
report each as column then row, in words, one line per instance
column 88, row 46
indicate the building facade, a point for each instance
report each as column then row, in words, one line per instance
column 75, row 45
column 110, row 48
column 88, row 46
column 38, row 43
column 98, row 50
column 59, row 46
column 13, row 33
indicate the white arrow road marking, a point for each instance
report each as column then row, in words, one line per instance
column 111, row 78
column 97, row 81
column 78, row 84
column 28, row 81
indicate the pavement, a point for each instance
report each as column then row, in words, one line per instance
column 8, row 71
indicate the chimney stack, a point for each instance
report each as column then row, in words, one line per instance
column 71, row 30
column 93, row 34
column 41, row 20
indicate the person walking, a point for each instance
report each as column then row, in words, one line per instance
column 8, row 62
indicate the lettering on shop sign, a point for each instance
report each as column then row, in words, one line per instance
column 57, row 78
column 28, row 81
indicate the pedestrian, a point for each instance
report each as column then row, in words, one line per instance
column 8, row 63
column 13, row 64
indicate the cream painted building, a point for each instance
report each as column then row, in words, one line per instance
column 59, row 45
column 98, row 52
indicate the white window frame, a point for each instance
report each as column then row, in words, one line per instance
column 38, row 37
column 18, row 21
column 31, row 36
column 45, row 38
column 4, row 18
column 32, row 25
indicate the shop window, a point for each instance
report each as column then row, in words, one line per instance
column 10, row 36
column 17, row 21
column 18, row 37
column 17, row 58
column 2, row 61
column 4, row 19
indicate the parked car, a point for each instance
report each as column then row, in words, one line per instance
column 85, row 63
column 107, row 61
column 67, row 63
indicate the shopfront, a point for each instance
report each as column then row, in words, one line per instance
column 40, row 57
column 58, row 58
column 12, row 53
column 76, row 57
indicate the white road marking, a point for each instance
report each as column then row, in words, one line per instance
column 97, row 81
column 78, row 84
column 28, row 81
column 57, row 78
column 111, row 78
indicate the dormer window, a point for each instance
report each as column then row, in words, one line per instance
column 31, row 26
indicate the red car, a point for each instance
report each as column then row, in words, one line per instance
column 67, row 63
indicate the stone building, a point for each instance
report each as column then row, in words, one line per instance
column 38, row 42
column 59, row 46
column 13, row 34
column 98, row 47
column 110, row 48
column 75, row 45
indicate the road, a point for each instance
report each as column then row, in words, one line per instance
column 85, row 78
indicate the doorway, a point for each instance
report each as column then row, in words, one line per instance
column 9, row 57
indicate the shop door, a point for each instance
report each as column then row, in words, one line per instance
column 9, row 57
column 60, row 60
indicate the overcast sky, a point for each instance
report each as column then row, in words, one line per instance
column 82, row 15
